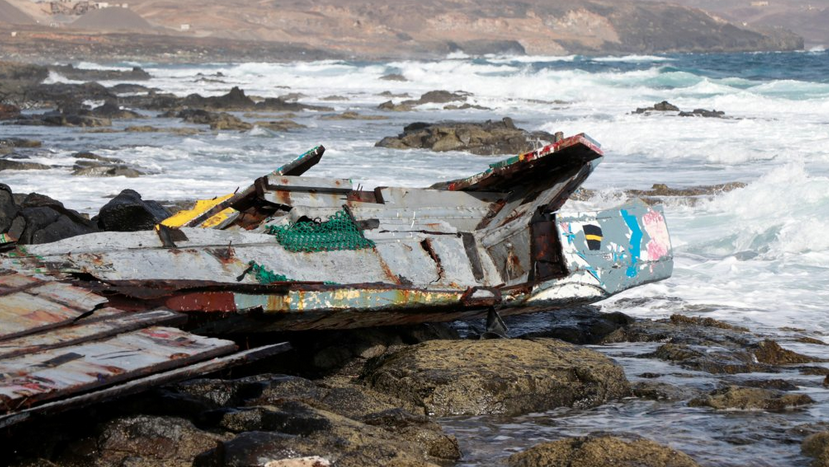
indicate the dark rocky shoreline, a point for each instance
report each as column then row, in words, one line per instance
column 373, row 397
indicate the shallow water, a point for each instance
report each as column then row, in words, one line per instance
column 755, row 256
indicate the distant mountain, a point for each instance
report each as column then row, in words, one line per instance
column 112, row 19
column 379, row 29
column 807, row 18
column 411, row 27
column 10, row 14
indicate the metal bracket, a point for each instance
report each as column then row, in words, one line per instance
column 495, row 327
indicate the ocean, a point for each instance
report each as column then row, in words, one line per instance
column 757, row 256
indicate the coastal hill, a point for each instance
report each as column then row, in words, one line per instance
column 807, row 18
column 280, row 29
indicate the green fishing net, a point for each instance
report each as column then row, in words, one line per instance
column 264, row 275
column 339, row 232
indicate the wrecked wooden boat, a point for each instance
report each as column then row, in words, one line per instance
column 293, row 252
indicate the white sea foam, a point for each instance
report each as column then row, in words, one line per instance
column 633, row 59
column 739, row 256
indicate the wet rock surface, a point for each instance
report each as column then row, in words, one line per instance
column 350, row 115
column 92, row 165
column 110, row 109
column 601, row 451
column 252, row 421
column 666, row 106
column 497, row 376
column 279, row 125
column 216, row 120
column 816, row 446
column 128, row 212
column 35, row 218
column 709, row 345
column 486, row 138
column 431, row 97
column 735, row 397
column 83, row 74
column 7, row 164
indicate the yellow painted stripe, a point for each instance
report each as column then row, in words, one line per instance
column 202, row 206
column 593, row 237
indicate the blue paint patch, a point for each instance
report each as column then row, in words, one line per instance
column 635, row 240
column 595, row 274
column 571, row 237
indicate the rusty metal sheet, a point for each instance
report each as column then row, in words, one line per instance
column 319, row 185
column 505, row 175
column 29, row 304
column 417, row 197
column 33, row 378
column 117, row 321
column 141, row 384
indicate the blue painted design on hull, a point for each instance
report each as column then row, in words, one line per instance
column 635, row 241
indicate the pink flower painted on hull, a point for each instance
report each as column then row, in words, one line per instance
column 660, row 241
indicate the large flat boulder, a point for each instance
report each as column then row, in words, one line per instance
column 509, row 376
column 601, row 451
column 482, row 138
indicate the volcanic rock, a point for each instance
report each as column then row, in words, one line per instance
column 497, row 376
column 127, row 212
column 6, row 164
column 124, row 88
column 431, row 97
column 41, row 219
column 393, row 77
column 703, row 113
column 8, row 208
column 487, row 138
column 332, row 418
column 233, row 100
column 280, row 125
column 57, row 94
column 93, row 169
column 601, row 451
column 351, row 115
column 736, row 397
column 149, row 440
column 82, row 74
column 217, row 121
column 19, row 143
column 658, row 391
column 110, row 109
column 663, row 106
column 142, row 129
column 817, row 446
column 8, row 111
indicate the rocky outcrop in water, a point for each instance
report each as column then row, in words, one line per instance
column 497, row 376
column 601, row 451
column 817, row 447
column 735, row 397
column 708, row 345
column 83, row 74
column 431, row 97
column 486, row 138
column 666, row 106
